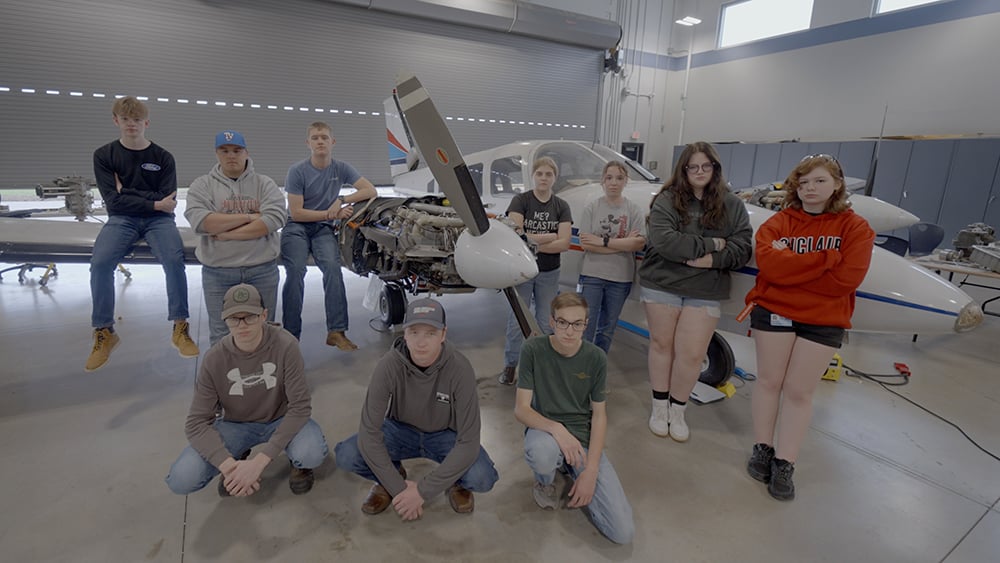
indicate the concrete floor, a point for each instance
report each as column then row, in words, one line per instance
column 84, row 455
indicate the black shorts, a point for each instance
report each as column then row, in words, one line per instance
column 833, row 336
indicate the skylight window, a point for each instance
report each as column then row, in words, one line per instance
column 751, row 20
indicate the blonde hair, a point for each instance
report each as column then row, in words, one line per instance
column 615, row 163
column 544, row 161
column 318, row 125
column 568, row 299
column 130, row 107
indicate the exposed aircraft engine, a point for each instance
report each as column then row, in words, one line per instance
column 77, row 192
column 405, row 240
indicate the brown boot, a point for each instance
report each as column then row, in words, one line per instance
column 461, row 499
column 104, row 342
column 378, row 498
column 339, row 339
column 300, row 481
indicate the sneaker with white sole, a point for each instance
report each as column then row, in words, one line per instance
column 545, row 496
column 678, row 426
column 658, row 422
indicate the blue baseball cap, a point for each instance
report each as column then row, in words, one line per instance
column 230, row 138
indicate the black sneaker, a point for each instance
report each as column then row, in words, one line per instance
column 781, row 486
column 508, row 376
column 223, row 492
column 759, row 466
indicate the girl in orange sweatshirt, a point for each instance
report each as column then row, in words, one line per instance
column 812, row 257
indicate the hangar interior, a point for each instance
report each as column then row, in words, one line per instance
column 880, row 479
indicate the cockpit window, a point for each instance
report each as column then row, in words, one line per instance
column 637, row 171
column 578, row 165
column 506, row 177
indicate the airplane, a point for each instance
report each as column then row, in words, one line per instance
column 440, row 238
column 896, row 296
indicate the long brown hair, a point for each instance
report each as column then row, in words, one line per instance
column 714, row 196
column 837, row 201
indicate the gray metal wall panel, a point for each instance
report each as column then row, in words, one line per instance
column 926, row 176
column 856, row 157
column 298, row 53
column 765, row 168
column 791, row 155
column 970, row 178
column 740, row 173
column 890, row 174
column 725, row 157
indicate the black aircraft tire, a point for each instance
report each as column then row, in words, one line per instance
column 392, row 304
column 719, row 362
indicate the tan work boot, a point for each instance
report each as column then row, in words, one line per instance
column 339, row 339
column 182, row 341
column 104, row 342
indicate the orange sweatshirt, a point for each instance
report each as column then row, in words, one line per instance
column 814, row 279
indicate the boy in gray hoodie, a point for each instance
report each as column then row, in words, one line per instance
column 421, row 402
column 238, row 214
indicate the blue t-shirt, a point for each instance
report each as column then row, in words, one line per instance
column 319, row 188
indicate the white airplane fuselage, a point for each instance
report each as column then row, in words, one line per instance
column 896, row 296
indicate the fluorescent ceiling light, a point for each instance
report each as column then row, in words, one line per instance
column 688, row 21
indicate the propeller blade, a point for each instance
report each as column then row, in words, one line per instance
column 525, row 320
column 441, row 153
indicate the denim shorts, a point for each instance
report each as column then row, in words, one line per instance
column 648, row 295
column 832, row 336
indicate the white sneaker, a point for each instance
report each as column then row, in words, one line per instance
column 678, row 427
column 659, row 424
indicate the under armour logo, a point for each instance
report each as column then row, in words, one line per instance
column 265, row 376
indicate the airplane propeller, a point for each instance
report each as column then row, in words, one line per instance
column 488, row 253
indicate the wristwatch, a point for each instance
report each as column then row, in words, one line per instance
column 607, row 237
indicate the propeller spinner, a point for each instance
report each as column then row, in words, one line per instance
column 488, row 253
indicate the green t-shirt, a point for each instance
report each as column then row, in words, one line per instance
column 563, row 388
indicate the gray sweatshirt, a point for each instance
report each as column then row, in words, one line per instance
column 442, row 396
column 250, row 193
column 670, row 243
column 258, row 386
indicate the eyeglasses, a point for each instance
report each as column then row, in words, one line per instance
column 563, row 324
column 826, row 157
column 707, row 167
column 248, row 320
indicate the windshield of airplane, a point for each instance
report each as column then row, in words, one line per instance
column 639, row 170
column 578, row 165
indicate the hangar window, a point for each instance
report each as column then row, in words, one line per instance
column 751, row 20
column 506, row 177
column 883, row 6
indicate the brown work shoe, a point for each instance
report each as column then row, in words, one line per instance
column 378, row 498
column 461, row 499
column 300, row 481
column 104, row 342
column 508, row 376
column 339, row 339
column 182, row 340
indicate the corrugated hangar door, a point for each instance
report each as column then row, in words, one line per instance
column 267, row 69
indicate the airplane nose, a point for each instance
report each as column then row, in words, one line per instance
column 496, row 259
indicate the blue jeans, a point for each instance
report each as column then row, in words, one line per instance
column 541, row 290
column 191, row 472
column 403, row 441
column 215, row 282
column 609, row 510
column 605, row 300
column 115, row 240
column 298, row 240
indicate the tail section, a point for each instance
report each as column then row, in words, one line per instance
column 403, row 154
